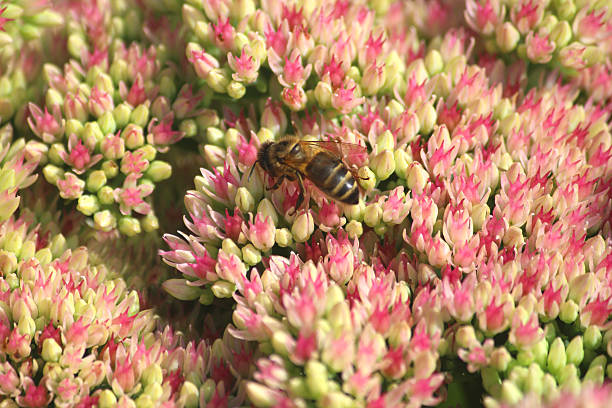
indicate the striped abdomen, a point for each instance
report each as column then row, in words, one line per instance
column 332, row 177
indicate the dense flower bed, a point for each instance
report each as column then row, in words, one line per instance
column 156, row 263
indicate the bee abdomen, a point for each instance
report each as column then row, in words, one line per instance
column 333, row 178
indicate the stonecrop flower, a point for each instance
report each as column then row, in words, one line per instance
column 478, row 256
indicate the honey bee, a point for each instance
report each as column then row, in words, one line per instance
column 318, row 161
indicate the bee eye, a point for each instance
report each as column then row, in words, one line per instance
column 296, row 149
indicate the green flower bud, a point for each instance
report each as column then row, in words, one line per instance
column 158, row 171
column 149, row 222
column 129, row 226
column 266, row 209
column 223, row 289
column 336, row 399
column 235, row 90
column 593, row 55
column 148, row 152
column 180, row 289
column 133, row 136
column 189, row 395
column 106, row 195
column 500, row 359
column 229, row 246
column 121, row 114
column 144, row 401
column 303, row 227
column 244, row 200
column 207, row 297
column 491, row 381
column 417, row 177
column 575, row 351
column 153, row 374
column 402, row 162
column 52, row 173
column 354, row 229
column 140, row 115
column 427, row 117
column 533, row 382
column 592, row 337
column 434, row 63
column 373, row 215
column 51, row 351
column 214, row 155
column 595, row 374
column 561, row 34
column 510, row 123
column 207, row 118
column 189, row 127
column 323, row 94
column 232, row 138
column 95, row 180
column 88, row 204
column 251, row 255
column 167, row 87
column 557, row 358
column 316, row 379
column 54, row 154
column 265, row 135
column 107, row 399
column 507, row 37
column 260, row 395
column 383, row 164
column 215, row 136
column 218, row 80
column 510, row 393
column 92, row 134
column 503, row 108
column 110, row 168
column 107, row 123
column 104, row 220
column 568, row 373
column 283, row 237
column 565, row 9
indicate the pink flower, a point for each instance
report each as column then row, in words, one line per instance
column 113, row 146
column 78, row 155
column 50, row 128
column 136, row 95
column 161, row 134
column 9, row 380
column 134, row 163
column 457, row 228
column 293, row 73
column 525, row 334
column 230, row 267
column 484, row 18
column 71, row 187
column 203, row 63
column 130, row 196
column 246, row 67
column 224, row 34
column 526, row 14
column 75, row 107
column 539, row 48
column 100, row 102
column 273, row 118
column 294, row 97
column 592, row 26
column 186, row 102
column 261, row 232
column 344, row 99
column 36, row 396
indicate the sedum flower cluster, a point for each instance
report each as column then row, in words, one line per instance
column 475, row 268
column 74, row 335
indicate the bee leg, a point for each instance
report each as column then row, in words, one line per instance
column 300, row 198
column 277, row 183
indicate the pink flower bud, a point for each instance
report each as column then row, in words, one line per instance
column 36, row 396
column 261, row 232
column 49, row 127
column 71, row 187
column 75, row 107
column 161, row 134
column 458, row 227
column 230, row 267
column 526, row 14
column 294, row 98
column 134, row 163
column 246, row 67
column 224, row 34
column 9, row 380
column 344, row 99
column 539, row 48
column 203, row 63
column 273, row 117
column 484, row 17
column 100, row 102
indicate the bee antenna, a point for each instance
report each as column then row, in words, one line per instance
column 252, row 168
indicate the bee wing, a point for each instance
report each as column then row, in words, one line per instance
column 353, row 153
